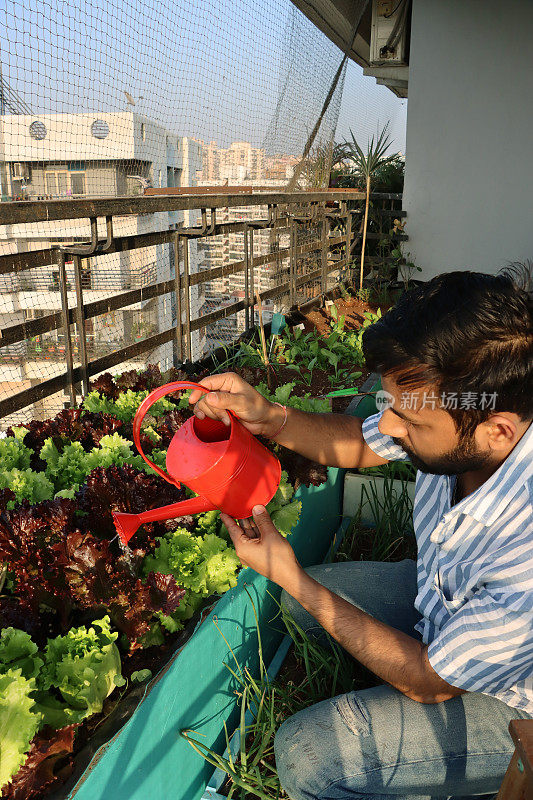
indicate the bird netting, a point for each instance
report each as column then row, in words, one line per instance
column 105, row 98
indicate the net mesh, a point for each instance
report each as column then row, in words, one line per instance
column 103, row 98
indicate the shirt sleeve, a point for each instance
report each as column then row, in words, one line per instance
column 487, row 645
column 382, row 445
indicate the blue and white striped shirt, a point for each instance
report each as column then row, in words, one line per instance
column 475, row 573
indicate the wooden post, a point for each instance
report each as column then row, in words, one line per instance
column 292, row 264
column 348, row 242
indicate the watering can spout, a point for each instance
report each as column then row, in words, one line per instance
column 127, row 524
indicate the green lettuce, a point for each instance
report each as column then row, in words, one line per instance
column 286, row 517
column 68, row 470
column 19, row 651
column 14, row 454
column 18, row 722
column 203, row 565
column 27, row 485
column 126, row 404
column 64, row 469
column 284, row 513
column 82, row 666
column 220, row 564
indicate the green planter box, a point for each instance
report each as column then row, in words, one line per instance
column 147, row 758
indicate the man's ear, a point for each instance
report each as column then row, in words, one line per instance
column 501, row 430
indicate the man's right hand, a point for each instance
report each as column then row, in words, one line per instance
column 229, row 392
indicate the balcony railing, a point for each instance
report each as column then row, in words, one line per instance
column 314, row 236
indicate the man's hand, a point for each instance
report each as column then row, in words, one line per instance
column 262, row 547
column 228, row 392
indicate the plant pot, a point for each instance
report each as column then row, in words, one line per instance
column 147, row 757
column 358, row 488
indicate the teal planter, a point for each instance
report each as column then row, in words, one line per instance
column 147, row 758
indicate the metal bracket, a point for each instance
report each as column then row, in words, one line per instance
column 204, row 229
column 302, row 218
column 265, row 223
column 93, row 247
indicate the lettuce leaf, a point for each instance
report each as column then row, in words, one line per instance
column 19, row 651
column 13, row 453
column 203, row 565
column 18, row 722
column 286, row 517
column 82, row 665
column 125, row 405
column 44, row 765
column 26, row 485
column 220, row 565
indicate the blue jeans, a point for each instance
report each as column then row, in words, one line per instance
column 377, row 742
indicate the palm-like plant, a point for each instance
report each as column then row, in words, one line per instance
column 366, row 165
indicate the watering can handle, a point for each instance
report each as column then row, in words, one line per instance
column 157, row 394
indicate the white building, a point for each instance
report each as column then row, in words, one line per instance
column 83, row 155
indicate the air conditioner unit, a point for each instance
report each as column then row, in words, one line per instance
column 20, row 171
column 390, row 32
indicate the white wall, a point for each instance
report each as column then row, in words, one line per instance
column 469, row 155
column 68, row 137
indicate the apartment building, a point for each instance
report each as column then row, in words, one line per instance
column 238, row 163
column 225, row 249
column 83, row 155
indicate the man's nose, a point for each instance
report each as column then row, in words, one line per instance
column 391, row 425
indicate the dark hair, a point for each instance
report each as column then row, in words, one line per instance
column 460, row 332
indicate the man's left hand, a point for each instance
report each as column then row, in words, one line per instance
column 261, row 546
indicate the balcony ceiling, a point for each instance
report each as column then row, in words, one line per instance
column 337, row 19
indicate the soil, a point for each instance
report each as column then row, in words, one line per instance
column 351, row 308
column 319, row 387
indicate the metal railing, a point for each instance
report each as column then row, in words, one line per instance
column 321, row 229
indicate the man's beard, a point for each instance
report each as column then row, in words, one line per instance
column 464, row 457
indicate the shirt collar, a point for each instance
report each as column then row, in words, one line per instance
column 490, row 499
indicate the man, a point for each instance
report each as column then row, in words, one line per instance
column 452, row 636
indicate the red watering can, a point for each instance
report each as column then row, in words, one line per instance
column 225, row 465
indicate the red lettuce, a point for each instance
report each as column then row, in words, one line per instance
column 147, row 379
column 169, row 424
column 29, row 539
column 99, row 579
column 56, row 563
column 40, row 626
column 130, row 490
column 47, row 764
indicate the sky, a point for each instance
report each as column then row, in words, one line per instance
column 367, row 107
column 223, row 70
